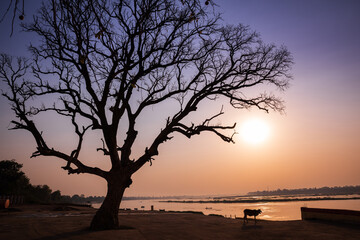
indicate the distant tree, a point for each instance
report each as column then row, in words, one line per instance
column 39, row 194
column 76, row 198
column 65, row 198
column 12, row 180
column 55, row 196
column 101, row 63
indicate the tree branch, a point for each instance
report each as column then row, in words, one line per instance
column 18, row 97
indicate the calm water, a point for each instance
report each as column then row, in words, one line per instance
column 270, row 210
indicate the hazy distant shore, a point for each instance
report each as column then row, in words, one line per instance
column 72, row 222
column 263, row 200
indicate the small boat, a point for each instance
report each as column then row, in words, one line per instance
column 334, row 215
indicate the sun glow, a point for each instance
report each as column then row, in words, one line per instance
column 255, row 131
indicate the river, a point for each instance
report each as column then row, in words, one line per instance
column 276, row 211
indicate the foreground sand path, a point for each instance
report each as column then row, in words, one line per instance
column 41, row 222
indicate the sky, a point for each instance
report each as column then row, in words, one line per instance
column 315, row 143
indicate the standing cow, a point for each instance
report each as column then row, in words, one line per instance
column 251, row 212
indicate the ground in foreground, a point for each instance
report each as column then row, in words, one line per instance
column 71, row 222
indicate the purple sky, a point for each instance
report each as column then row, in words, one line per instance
column 316, row 143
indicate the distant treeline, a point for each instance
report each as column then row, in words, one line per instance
column 346, row 190
column 265, row 199
column 14, row 184
column 98, row 199
column 82, row 199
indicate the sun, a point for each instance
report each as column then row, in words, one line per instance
column 255, row 131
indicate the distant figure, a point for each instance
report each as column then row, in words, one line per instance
column 251, row 212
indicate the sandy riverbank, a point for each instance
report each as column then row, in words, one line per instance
column 71, row 222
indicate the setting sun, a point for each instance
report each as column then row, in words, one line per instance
column 254, row 131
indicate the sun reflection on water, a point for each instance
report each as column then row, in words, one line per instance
column 275, row 211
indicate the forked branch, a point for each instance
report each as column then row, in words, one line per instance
column 13, row 75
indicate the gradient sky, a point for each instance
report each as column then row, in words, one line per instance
column 316, row 143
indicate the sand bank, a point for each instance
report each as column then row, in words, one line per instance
column 71, row 222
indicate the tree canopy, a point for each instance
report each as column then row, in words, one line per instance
column 101, row 64
column 12, row 180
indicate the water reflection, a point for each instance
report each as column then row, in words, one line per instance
column 276, row 211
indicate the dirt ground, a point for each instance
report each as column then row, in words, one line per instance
column 71, row 222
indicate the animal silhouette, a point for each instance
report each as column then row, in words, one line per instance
column 251, row 212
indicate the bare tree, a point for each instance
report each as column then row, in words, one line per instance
column 107, row 61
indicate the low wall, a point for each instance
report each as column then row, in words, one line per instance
column 334, row 215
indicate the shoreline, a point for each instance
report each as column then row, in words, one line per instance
column 72, row 222
column 264, row 200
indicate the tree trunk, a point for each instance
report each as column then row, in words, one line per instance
column 107, row 215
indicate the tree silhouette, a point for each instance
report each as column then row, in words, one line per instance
column 102, row 63
column 12, row 180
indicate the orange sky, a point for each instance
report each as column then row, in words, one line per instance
column 316, row 143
